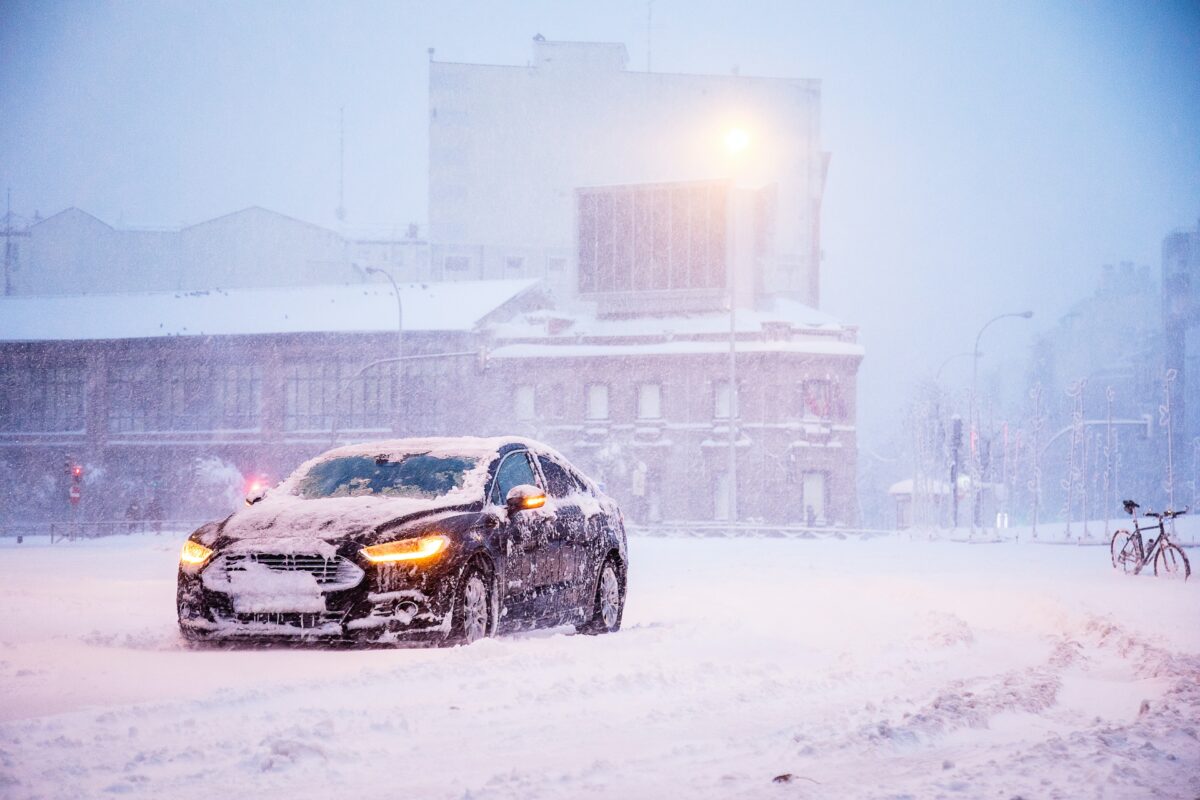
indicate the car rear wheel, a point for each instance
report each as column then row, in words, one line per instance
column 609, row 603
column 473, row 608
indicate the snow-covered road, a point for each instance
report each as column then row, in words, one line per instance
column 747, row 668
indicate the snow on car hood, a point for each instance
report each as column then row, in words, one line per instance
column 289, row 517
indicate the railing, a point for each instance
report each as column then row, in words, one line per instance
column 59, row 530
column 718, row 530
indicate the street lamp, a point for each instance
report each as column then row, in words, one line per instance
column 736, row 141
column 399, row 328
column 937, row 377
column 975, row 400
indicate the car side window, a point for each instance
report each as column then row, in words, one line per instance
column 558, row 482
column 514, row 471
column 581, row 484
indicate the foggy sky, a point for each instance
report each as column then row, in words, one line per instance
column 986, row 157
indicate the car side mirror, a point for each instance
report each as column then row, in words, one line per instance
column 524, row 497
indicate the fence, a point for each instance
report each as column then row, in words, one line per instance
column 59, row 530
column 718, row 530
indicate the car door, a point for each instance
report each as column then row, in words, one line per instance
column 530, row 563
column 569, row 535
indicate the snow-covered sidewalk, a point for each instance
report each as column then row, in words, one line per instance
column 747, row 668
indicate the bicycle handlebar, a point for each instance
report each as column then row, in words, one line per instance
column 1131, row 509
column 1167, row 514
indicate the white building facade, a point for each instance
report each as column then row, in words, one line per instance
column 511, row 145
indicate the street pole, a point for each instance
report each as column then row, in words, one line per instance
column 399, row 333
column 976, row 469
column 733, row 399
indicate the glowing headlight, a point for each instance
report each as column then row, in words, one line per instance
column 194, row 553
column 406, row 549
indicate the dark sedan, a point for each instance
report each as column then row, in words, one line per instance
column 421, row 540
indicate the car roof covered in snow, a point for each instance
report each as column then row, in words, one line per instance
column 471, row 446
column 351, row 308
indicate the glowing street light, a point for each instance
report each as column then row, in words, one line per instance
column 737, row 140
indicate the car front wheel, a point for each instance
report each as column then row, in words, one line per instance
column 609, row 604
column 473, row 608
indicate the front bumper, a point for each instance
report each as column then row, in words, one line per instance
column 223, row 600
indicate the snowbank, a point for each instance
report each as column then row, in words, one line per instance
column 747, row 668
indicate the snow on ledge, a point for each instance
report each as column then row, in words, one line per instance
column 807, row 346
column 356, row 308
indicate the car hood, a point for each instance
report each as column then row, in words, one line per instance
column 327, row 519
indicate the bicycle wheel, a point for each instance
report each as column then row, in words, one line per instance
column 1126, row 550
column 1171, row 562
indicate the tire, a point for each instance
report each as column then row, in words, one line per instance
column 473, row 614
column 609, row 604
column 1171, row 562
column 1126, row 550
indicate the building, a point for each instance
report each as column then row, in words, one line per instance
column 1181, row 329
column 510, row 146
column 143, row 390
column 624, row 265
column 73, row 252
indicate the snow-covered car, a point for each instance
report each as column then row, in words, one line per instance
column 421, row 540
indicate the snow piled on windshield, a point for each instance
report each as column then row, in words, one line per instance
column 288, row 522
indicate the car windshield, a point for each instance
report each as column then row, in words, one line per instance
column 418, row 475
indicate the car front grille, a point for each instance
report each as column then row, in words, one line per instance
column 330, row 573
column 291, row 619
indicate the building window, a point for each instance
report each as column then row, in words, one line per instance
column 721, row 497
column 523, row 403
column 597, row 401
column 42, row 399
column 550, row 401
column 649, row 401
column 816, row 398
column 183, row 396
column 652, row 237
column 514, row 263
column 721, row 400
column 457, row 263
column 813, row 498
column 315, row 391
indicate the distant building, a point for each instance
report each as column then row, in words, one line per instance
column 73, row 252
column 145, row 390
column 510, row 147
column 1181, row 327
column 1111, row 339
column 599, row 241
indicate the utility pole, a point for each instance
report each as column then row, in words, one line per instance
column 956, row 432
column 10, row 232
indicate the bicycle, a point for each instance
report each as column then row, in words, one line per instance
column 1131, row 555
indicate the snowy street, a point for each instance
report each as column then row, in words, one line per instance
column 746, row 668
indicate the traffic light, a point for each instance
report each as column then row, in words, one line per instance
column 77, row 472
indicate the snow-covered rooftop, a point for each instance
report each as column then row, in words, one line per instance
column 584, row 322
column 575, row 332
column 457, row 306
column 828, row 347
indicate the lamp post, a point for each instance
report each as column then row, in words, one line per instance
column 975, row 403
column 736, row 142
column 399, row 329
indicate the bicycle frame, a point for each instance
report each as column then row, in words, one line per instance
column 1136, row 553
column 1146, row 555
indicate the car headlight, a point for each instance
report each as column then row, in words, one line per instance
column 194, row 554
column 413, row 549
